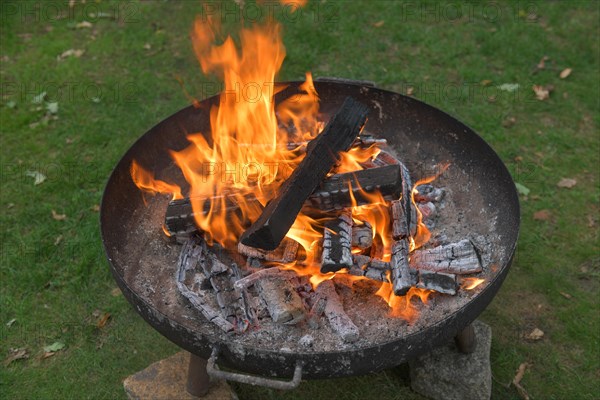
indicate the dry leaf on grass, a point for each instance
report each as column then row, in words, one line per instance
column 566, row 183
column 11, row 322
column 95, row 208
column 83, row 24
column 517, row 380
column 58, row 239
column 566, row 295
column 14, row 355
column 565, row 73
column 542, row 215
column 58, row 217
column 379, row 24
column 38, row 177
column 535, row 334
column 103, row 320
column 115, row 292
column 541, row 92
column 410, row 90
column 70, row 53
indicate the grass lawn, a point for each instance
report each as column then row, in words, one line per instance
column 55, row 282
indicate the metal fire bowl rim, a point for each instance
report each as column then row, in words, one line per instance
column 361, row 359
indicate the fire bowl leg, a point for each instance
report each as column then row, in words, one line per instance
column 198, row 381
column 466, row 340
column 448, row 373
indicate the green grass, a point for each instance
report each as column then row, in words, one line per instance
column 52, row 289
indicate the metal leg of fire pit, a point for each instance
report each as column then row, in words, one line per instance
column 198, row 381
column 466, row 340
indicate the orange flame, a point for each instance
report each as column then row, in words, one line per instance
column 471, row 283
column 402, row 306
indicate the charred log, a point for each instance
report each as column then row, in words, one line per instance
column 438, row 281
column 337, row 237
column 282, row 300
column 371, row 268
column 362, row 235
column 454, row 258
column 322, row 154
column 338, row 191
column 339, row 321
column 285, row 253
column 400, row 269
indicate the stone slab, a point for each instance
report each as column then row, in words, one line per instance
column 166, row 379
column 446, row 374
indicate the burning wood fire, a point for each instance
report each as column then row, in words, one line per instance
column 308, row 202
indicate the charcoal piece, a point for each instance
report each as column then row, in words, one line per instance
column 400, row 269
column 438, row 281
column 267, row 273
column 284, row 253
column 321, row 155
column 342, row 190
column 428, row 193
column 339, row 321
column 337, row 251
column 400, row 227
column 428, row 210
column 403, row 215
column 362, row 235
column 191, row 281
column 282, row 300
column 384, row 158
column 453, row 258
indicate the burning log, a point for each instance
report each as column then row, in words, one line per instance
column 285, row 253
column 362, row 235
column 322, row 154
column 454, row 258
column 332, row 194
column 438, row 281
column 402, row 278
column 338, row 191
column 339, row 321
column 283, row 302
column 403, row 214
column 179, row 218
column 337, row 237
column 368, row 267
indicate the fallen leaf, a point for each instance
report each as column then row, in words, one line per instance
column 103, row 320
column 379, row 24
column 96, row 208
column 37, row 176
column 508, row 122
column 54, row 347
column 542, row 215
column 541, row 93
column 535, row 334
column 566, row 295
column 591, row 221
column 14, row 355
column 58, row 239
column 115, row 292
column 410, row 90
column 52, row 107
column 566, row 183
column 11, row 322
column 522, row 189
column 147, row 46
column 565, row 73
column 542, row 63
column 517, row 380
column 71, row 53
column 485, row 82
column 519, row 158
column 58, row 217
column 83, row 24
column 47, row 354
column 509, row 87
column 38, row 99
column 96, row 313
column 69, row 140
